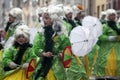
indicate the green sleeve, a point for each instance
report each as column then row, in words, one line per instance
column 62, row 42
column 7, row 56
column 68, row 27
column 104, row 36
column 31, row 55
column 38, row 44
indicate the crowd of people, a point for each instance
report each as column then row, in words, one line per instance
column 46, row 45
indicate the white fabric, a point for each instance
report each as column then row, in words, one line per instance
column 79, row 34
column 76, row 10
column 12, row 65
column 17, row 13
column 111, row 11
column 2, row 42
column 82, row 41
column 33, row 32
column 68, row 9
column 22, row 30
column 112, row 38
column 93, row 24
column 25, row 65
column 102, row 14
column 9, row 42
column 55, row 13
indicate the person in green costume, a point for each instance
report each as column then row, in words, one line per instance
column 108, row 60
column 89, row 59
column 67, row 20
column 17, row 57
column 78, row 14
column 48, row 44
column 76, row 69
column 103, row 17
column 15, row 19
column 2, row 38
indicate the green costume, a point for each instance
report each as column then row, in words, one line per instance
column 90, row 59
column 11, row 27
column 103, row 21
column 1, row 65
column 77, row 21
column 76, row 71
column 69, row 25
column 18, row 54
column 60, row 42
column 108, row 61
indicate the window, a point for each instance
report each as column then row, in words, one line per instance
column 103, row 7
column 98, row 11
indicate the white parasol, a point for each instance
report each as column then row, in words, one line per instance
column 93, row 24
column 9, row 42
column 33, row 31
column 82, row 41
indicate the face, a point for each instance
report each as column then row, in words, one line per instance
column 78, row 15
column 2, row 33
column 69, row 16
column 11, row 18
column 103, row 17
column 112, row 17
column 21, row 39
column 47, row 20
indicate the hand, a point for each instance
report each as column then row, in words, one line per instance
column 112, row 38
column 25, row 65
column 60, row 55
column 13, row 65
column 47, row 54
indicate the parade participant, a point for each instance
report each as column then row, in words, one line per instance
column 118, row 23
column 17, row 57
column 89, row 61
column 40, row 15
column 103, row 17
column 38, row 22
column 92, row 23
column 2, row 41
column 107, row 62
column 48, row 44
column 68, row 22
column 77, row 12
column 76, row 69
column 15, row 19
column 2, row 38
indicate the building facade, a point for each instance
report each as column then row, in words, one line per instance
column 91, row 7
column 114, row 4
column 100, row 5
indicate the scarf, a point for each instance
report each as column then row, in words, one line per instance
column 19, row 55
column 7, row 26
column 78, row 21
column 47, row 61
column 71, row 22
column 21, row 51
column 112, row 24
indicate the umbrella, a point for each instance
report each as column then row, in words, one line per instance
column 93, row 24
column 9, row 42
column 33, row 31
column 82, row 41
